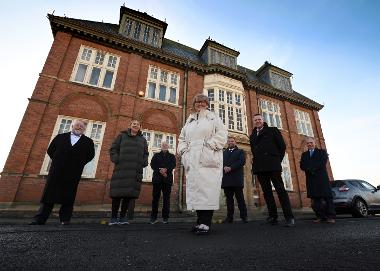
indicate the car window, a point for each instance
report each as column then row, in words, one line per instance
column 355, row 184
column 367, row 185
column 337, row 184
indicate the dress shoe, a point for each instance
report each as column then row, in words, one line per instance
column 202, row 230
column 65, row 223
column 330, row 220
column 36, row 223
column 272, row 221
column 289, row 222
column 318, row 220
column 244, row 219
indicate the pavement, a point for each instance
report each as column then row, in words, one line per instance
column 349, row 244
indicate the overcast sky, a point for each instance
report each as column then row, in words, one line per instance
column 331, row 47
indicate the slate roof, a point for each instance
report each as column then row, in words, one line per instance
column 170, row 49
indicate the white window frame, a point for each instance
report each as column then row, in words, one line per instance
column 90, row 63
column 97, row 141
column 268, row 109
column 155, row 76
column 286, row 173
column 148, row 171
column 220, row 99
column 303, row 123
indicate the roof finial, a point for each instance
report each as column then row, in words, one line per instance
column 124, row 4
column 53, row 12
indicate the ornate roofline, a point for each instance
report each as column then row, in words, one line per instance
column 129, row 45
column 268, row 65
column 219, row 46
column 143, row 16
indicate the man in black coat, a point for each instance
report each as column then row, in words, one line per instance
column 313, row 162
column 69, row 152
column 268, row 149
column 233, row 180
column 162, row 164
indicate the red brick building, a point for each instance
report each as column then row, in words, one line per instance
column 108, row 74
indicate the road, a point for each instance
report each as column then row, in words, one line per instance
column 350, row 244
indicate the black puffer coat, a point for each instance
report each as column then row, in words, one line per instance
column 130, row 155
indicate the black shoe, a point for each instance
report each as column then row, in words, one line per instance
column 289, row 222
column 36, row 223
column 244, row 219
column 228, row 220
column 65, row 223
column 272, row 221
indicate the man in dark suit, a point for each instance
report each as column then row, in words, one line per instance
column 313, row 162
column 268, row 149
column 69, row 152
column 162, row 164
column 233, row 180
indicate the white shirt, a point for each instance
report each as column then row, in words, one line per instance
column 74, row 138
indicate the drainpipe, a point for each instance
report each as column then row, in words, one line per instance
column 181, row 169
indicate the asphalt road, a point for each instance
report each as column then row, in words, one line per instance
column 350, row 244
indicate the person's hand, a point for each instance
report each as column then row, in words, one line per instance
column 226, row 169
column 163, row 172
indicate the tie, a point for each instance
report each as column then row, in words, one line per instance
column 311, row 153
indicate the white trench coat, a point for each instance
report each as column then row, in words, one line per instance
column 201, row 145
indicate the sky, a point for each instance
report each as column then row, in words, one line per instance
column 331, row 47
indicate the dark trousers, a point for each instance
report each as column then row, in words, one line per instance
column 204, row 217
column 131, row 209
column 116, row 205
column 166, row 189
column 229, row 192
column 323, row 207
column 43, row 213
column 265, row 179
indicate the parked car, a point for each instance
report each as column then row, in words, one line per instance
column 356, row 197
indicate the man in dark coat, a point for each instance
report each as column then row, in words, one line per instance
column 268, row 149
column 162, row 164
column 233, row 180
column 313, row 162
column 129, row 153
column 69, row 152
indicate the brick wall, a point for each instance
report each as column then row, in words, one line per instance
column 55, row 95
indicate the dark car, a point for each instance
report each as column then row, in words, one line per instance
column 356, row 197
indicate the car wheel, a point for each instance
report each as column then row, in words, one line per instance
column 360, row 208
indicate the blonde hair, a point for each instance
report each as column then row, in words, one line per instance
column 200, row 98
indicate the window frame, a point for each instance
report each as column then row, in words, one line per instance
column 162, row 77
column 303, row 117
column 221, row 106
column 91, row 65
column 266, row 111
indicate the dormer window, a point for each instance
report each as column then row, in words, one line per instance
column 141, row 27
column 275, row 76
column 216, row 53
column 136, row 35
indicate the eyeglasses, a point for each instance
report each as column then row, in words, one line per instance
column 200, row 102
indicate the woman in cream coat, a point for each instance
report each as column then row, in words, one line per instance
column 201, row 147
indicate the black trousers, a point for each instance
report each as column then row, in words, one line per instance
column 229, row 192
column 166, row 189
column 43, row 213
column 323, row 207
column 116, row 205
column 265, row 179
column 204, row 217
